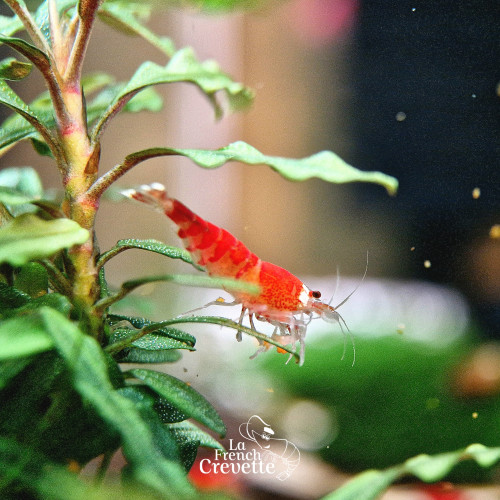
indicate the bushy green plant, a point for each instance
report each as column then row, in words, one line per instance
column 64, row 398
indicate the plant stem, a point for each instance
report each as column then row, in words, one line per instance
column 87, row 10
column 104, row 182
column 31, row 27
column 57, row 279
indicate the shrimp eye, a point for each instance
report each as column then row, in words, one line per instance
column 316, row 294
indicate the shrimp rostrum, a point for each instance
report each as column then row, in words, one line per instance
column 283, row 301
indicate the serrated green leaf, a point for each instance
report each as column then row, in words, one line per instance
column 370, row 484
column 23, row 336
column 183, row 67
column 87, row 365
column 123, row 17
column 28, row 237
column 12, row 69
column 324, row 165
column 189, row 401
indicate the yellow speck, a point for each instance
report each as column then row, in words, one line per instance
column 74, row 466
column 432, row 403
column 270, row 389
column 401, row 328
column 474, row 414
column 495, row 231
column 476, row 193
column 427, row 264
column 220, row 299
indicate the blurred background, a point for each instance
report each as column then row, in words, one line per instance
column 409, row 88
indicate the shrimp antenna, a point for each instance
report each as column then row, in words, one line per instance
column 351, row 338
column 358, row 285
column 336, row 286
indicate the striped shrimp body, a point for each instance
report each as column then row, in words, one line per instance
column 284, row 301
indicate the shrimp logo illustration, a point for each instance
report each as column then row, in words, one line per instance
column 281, row 452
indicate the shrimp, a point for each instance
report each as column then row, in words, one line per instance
column 283, row 301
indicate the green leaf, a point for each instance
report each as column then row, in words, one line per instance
column 149, row 245
column 123, row 17
column 215, row 6
column 147, row 100
column 25, row 180
column 23, row 336
column 12, row 69
column 28, row 237
column 7, row 136
column 32, row 279
column 370, row 484
column 19, row 188
column 10, row 368
column 185, row 398
column 10, row 196
column 87, row 365
column 324, row 165
column 189, row 438
column 53, row 300
column 35, row 55
column 167, row 412
column 150, row 341
column 140, row 323
column 11, row 298
column 141, row 356
column 183, row 67
column 144, row 401
column 93, row 82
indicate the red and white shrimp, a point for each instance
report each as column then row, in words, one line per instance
column 284, row 301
